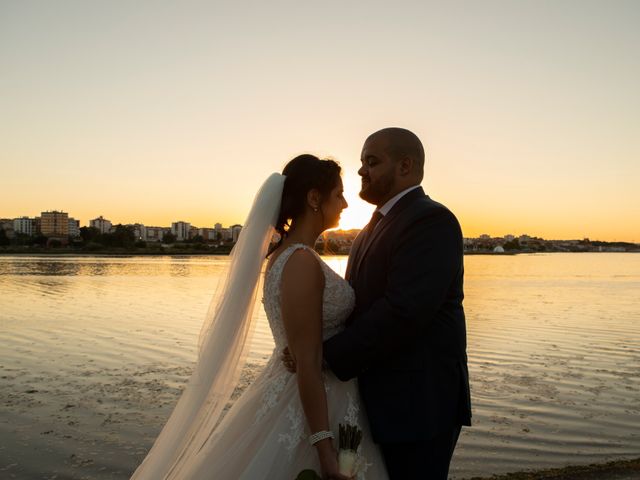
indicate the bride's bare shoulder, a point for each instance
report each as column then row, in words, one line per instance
column 302, row 272
column 302, row 261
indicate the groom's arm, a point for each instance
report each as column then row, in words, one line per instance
column 425, row 261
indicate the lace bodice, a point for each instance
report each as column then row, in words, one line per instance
column 337, row 302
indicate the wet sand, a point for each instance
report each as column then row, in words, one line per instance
column 89, row 418
column 620, row 470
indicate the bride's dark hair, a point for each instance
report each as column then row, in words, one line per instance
column 303, row 173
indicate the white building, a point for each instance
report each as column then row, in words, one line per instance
column 74, row 227
column 154, row 234
column 24, row 225
column 208, row 234
column 181, row 230
column 101, row 224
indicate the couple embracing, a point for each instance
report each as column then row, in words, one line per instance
column 383, row 350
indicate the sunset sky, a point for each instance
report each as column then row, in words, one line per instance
column 155, row 111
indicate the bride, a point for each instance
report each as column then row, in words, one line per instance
column 283, row 423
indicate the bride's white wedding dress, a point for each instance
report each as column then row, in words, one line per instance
column 265, row 435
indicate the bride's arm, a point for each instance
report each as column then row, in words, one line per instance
column 301, row 296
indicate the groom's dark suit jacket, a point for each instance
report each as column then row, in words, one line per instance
column 406, row 339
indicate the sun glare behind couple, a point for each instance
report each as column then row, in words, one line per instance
column 357, row 214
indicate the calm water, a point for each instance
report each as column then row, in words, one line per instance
column 94, row 351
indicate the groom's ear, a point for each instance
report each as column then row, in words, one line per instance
column 314, row 199
column 405, row 165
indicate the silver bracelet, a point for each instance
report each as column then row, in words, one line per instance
column 316, row 437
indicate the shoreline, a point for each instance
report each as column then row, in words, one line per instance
column 115, row 253
column 614, row 470
column 204, row 253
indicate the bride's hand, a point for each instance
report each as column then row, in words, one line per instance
column 329, row 461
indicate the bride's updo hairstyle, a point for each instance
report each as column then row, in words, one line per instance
column 303, row 173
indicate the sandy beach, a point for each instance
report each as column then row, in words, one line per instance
column 88, row 418
column 620, row 470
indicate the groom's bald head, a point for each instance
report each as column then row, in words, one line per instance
column 402, row 144
column 392, row 160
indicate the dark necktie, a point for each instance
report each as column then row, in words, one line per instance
column 366, row 234
column 375, row 218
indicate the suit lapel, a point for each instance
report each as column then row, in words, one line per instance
column 362, row 248
column 353, row 254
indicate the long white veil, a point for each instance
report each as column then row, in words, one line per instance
column 224, row 342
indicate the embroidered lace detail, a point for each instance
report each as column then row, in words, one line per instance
column 272, row 393
column 353, row 409
column 296, row 433
column 364, row 466
column 327, row 386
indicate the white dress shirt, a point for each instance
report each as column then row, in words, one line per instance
column 392, row 201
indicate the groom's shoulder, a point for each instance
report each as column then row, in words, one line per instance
column 425, row 207
column 430, row 217
column 429, row 203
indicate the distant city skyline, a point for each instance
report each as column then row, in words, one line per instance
column 109, row 218
column 106, row 219
column 529, row 110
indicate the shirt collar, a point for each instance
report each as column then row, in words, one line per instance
column 392, row 201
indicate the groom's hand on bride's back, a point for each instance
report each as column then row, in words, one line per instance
column 290, row 363
column 288, row 360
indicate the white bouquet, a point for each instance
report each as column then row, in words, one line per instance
column 349, row 461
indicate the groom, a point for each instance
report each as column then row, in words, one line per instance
column 406, row 339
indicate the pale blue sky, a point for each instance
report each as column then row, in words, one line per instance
column 159, row 111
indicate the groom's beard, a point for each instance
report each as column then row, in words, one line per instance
column 375, row 192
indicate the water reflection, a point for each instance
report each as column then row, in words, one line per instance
column 49, row 287
column 44, row 267
column 96, row 269
column 179, row 268
column 555, row 368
